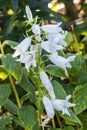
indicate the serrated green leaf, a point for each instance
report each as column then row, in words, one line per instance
column 10, row 106
column 72, row 119
column 28, row 116
column 58, row 90
column 13, row 67
column 77, row 66
column 4, row 120
column 80, row 98
column 14, row 4
column 83, row 118
column 55, row 71
column 82, row 78
column 3, row 73
column 4, row 93
column 27, row 85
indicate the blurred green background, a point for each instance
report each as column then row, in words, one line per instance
column 72, row 13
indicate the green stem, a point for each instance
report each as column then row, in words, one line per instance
column 53, row 123
column 39, row 88
column 14, row 90
column 39, row 82
column 58, row 118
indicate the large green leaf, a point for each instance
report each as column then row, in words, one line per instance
column 58, row 90
column 77, row 66
column 55, row 71
column 72, row 119
column 82, row 78
column 12, row 66
column 4, row 93
column 10, row 106
column 4, row 120
column 80, row 98
column 28, row 116
column 26, row 84
column 83, row 118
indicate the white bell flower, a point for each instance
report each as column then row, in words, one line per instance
column 36, row 31
column 61, row 61
column 62, row 105
column 29, row 58
column 51, row 47
column 56, row 104
column 22, row 47
column 49, row 110
column 29, row 13
column 52, row 28
column 47, row 84
column 58, row 38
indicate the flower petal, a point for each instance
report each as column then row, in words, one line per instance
column 47, row 84
column 28, row 13
column 48, row 107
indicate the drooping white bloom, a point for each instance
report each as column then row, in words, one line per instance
column 29, row 58
column 50, row 46
column 56, row 104
column 52, row 28
column 61, row 61
column 36, row 31
column 47, row 84
column 55, row 38
column 62, row 105
column 22, row 47
column 58, row 38
column 49, row 109
column 28, row 13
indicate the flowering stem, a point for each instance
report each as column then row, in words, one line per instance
column 58, row 118
column 39, row 70
column 53, row 123
column 15, row 91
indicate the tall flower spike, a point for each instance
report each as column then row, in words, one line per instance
column 22, row 47
column 47, row 84
column 29, row 13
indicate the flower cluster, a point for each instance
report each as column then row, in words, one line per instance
column 53, row 103
column 54, row 41
column 28, row 57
